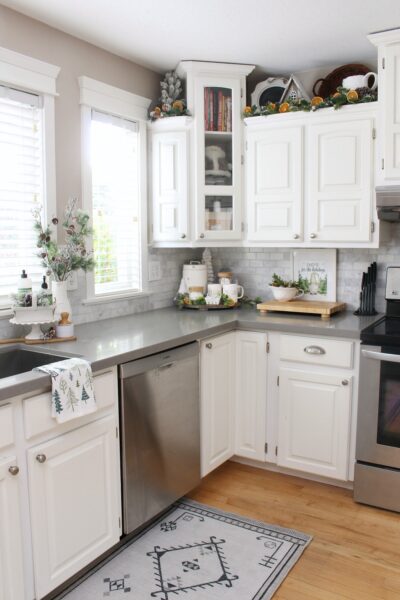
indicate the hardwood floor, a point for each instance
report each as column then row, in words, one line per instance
column 355, row 553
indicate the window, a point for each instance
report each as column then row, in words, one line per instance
column 21, row 185
column 114, row 188
column 27, row 163
column 115, row 204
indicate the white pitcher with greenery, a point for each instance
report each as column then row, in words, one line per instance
column 61, row 260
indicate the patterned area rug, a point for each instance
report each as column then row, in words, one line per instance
column 199, row 553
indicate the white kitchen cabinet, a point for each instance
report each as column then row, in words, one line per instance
column 170, row 180
column 217, row 356
column 11, row 558
column 314, row 422
column 274, row 184
column 251, row 394
column 74, row 485
column 310, row 178
column 388, row 43
column 216, row 97
column 340, row 188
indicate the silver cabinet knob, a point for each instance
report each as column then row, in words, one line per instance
column 201, row 235
column 296, row 236
column 345, row 382
column 183, row 236
column 314, row 350
column 14, row 470
column 41, row 458
column 313, row 236
column 209, row 346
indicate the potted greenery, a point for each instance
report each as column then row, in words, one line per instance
column 61, row 260
column 285, row 290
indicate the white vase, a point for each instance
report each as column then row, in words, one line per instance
column 60, row 295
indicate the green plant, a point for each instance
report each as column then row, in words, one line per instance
column 60, row 260
column 277, row 281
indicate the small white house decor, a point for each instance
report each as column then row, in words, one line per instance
column 294, row 91
column 315, row 273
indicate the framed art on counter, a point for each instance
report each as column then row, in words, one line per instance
column 316, row 272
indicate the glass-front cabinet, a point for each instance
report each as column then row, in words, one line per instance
column 216, row 98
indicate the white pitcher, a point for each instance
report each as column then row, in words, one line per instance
column 359, row 81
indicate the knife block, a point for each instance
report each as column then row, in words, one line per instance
column 367, row 292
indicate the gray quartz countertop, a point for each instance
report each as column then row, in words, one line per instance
column 118, row 340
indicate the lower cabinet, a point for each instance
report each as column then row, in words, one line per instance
column 314, row 422
column 75, row 512
column 217, row 357
column 11, row 561
column 250, row 394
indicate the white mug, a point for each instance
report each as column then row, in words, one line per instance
column 232, row 290
column 214, row 289
column 359, row 81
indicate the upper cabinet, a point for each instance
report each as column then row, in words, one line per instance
column 216, row 96
column 310, row 178
column 275, row 183
column 388, row 43
column 169, row 143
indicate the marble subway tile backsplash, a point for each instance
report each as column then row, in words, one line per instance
column 254, row 268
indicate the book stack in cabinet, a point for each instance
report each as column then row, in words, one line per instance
column 218, row 109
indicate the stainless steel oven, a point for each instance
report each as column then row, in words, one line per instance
column 377, row 475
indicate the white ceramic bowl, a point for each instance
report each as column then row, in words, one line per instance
column 286, row 294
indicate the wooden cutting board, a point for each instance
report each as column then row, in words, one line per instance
column 324, row 309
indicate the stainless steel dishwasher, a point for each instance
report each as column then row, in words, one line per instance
column 160, row 432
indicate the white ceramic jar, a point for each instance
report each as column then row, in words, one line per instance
column 195, row 275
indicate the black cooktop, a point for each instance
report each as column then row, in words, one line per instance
column 386, row 331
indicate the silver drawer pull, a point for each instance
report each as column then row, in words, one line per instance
column 209, row 346
column 14, row 470
column 314, row 350
column 41, row 458
column 166, row 366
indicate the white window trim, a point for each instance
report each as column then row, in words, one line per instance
column 106, row 98
column 32, row 75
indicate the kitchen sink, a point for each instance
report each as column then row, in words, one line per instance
column 19, row 360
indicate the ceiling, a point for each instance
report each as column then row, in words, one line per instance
column 279, row 36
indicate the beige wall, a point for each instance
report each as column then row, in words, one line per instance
column 75, row 57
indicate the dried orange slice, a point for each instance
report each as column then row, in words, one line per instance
column 336, row 95
column 352, row 96
column 316, row 100
column 247, row 110
column 271, row 105
column 284, row 107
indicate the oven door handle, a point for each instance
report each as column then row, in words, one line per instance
column 381, row 356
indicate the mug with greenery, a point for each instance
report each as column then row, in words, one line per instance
column 60, row 260
column 277, row 281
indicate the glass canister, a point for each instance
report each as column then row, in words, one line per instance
column 225, row 277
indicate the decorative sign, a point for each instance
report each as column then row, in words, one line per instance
column 315, row 270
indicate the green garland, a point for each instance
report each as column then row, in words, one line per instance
column 341, row 97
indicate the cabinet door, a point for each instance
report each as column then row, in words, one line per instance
column 391, row 113
column 218, row 159
column 11, row 565
column 274, row 176
column 251, row 394
column 170, row 186
column 314, row 422
column 340, row 181
column 75, row 512
column 217, row 401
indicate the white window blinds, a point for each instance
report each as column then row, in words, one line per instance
column 21, row 186
column 115, row 202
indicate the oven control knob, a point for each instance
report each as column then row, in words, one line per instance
column 345, row 382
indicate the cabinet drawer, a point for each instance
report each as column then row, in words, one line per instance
column 317, row 351
column 6, row 425
column 37, row 409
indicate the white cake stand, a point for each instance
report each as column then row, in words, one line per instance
column 35, row 332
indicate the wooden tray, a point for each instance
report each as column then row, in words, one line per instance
column 324, row 309
column 23, row 340
column 209, row 306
